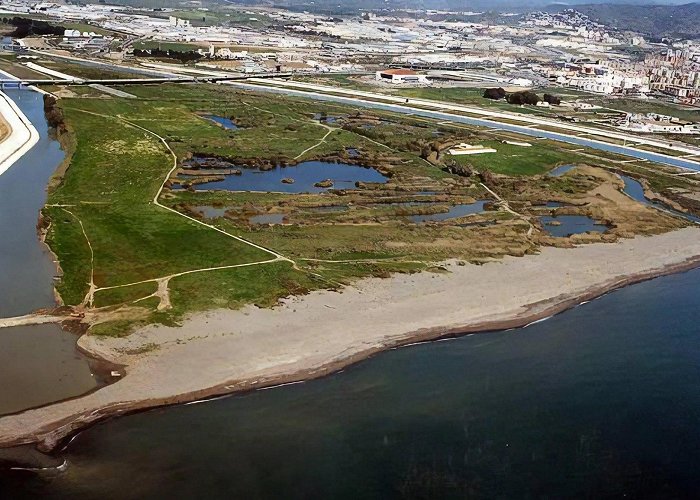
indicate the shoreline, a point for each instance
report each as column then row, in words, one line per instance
column 160, row 377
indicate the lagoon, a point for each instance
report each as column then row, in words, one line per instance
column 305, row 175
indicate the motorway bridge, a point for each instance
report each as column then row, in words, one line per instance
column 14, row 83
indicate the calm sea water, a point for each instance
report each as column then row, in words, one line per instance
column 602, row 401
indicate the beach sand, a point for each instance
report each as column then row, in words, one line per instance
column 224, row 351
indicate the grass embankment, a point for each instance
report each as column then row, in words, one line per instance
column 10, row 64
column 87, row 72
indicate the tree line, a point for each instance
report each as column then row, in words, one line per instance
column 521, row 97
column 181, row 56
column 27, row 27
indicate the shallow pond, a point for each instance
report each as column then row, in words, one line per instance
column 210, row 212
column 305, row 175
column 325, row 118
column 267, row 219
column 570, row 224
column 328, row 209
column 561, row 170
column 453, row 213
column 226, row 123
column 550, row 204
column 636, row 191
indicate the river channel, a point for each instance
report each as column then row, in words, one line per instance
column 38, row 364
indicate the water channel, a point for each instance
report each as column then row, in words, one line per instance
column 38, row 364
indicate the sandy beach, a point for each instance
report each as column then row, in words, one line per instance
column 224, row 351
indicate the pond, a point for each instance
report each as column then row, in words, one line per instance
column 635, row 190
column 267, row 219
column 326, row 209
column 454, row 212
column 561, row 170
column 550, row 204
column 304, row 175
column 325, row 118
column 210, row 212
column 226, row 123
column 564, row 226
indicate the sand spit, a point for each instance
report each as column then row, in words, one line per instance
column 225, row 351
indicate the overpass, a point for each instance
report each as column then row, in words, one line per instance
column 14, row 83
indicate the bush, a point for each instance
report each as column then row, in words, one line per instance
column 523, row 97
column 494, row 94
column 552, row 99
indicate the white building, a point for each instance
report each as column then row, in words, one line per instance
column 401, row 76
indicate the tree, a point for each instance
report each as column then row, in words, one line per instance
column 552, row 99
column 495, row 94
column 523, row 97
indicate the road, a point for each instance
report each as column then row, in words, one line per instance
column 570, row 133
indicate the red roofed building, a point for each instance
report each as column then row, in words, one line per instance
column 400, row 75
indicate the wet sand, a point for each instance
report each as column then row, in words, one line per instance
column 225, row 351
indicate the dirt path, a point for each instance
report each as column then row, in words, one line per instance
column 507, row 208
column 163, row 292
column 322, row 141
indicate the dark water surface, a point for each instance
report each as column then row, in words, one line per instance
column 26, row 267
column 454, row 212
column 39, row 364
column 566, row 225
column 305, row 175
column 635, row 190
column 226, row 123
column 560, row 170
column 602, row 401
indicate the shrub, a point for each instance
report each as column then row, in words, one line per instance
column 494, row 94
column 523, row 97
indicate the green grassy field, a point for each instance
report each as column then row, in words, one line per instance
column 518, row 160
column 104, row 226
column 114, row 174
